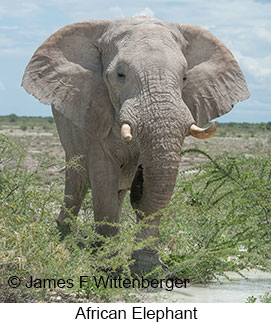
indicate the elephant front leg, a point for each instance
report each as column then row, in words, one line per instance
column 76, row 186
column 107, row 200
column 147, row 258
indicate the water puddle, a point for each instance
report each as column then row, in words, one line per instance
column 235, row 290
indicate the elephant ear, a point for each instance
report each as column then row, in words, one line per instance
column 214, row 80
column 66, row 72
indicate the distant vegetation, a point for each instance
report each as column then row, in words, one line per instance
column 235, row 129
column 13, row 118
column 25, row 123
column 224, row 129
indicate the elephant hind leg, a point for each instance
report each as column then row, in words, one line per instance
column 76, row 186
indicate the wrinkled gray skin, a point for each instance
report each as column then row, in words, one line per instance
column 159, row 78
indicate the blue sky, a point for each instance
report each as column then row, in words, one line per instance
column 243, row 25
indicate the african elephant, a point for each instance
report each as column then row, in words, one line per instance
column 124, row 95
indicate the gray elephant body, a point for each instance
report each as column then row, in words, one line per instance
column 109, row 168
column 157, row 78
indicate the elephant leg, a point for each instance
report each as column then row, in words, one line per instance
column 121, row 194
column 147, row 259
column 107, row 200
column 75, row 190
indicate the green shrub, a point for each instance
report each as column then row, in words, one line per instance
column 219, row 218
column 12, row 117
column 30, row 241
column 23, row 127
column 217, row 221
column 251, row 299
column 265, row 298
column 50, row 119
column 268, row 125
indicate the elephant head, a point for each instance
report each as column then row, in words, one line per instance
column 157, row 81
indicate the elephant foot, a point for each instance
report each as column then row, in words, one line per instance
column 146, row 260
column 64, row 229
column 110, row 272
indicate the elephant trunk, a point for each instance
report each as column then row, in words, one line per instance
column 152, row 187
column 160, row 133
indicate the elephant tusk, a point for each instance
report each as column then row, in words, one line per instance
column 202, row 133
column 126, row 132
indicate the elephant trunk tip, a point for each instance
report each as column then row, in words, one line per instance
column 203, row 133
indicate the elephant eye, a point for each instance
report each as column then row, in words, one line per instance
column 185, row 78
column 121, row 75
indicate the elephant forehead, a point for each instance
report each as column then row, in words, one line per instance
column 142, row 41
column 137, row 29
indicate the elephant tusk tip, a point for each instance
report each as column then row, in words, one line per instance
column 127, row 137
column 203, row 133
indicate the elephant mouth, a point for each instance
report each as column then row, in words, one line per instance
column 137, row 186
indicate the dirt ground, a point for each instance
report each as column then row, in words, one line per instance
column 39, row 141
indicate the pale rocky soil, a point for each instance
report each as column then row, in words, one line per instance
column 39, row 141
